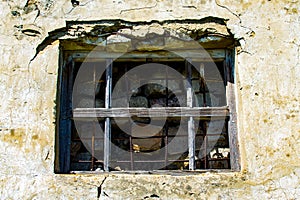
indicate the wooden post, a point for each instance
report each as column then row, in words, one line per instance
column 232, row 124
column 65, row 125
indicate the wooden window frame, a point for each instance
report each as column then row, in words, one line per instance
column 65, row 112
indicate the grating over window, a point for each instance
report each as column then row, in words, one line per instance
column 147, row 113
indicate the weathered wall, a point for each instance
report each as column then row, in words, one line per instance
column 267, row 88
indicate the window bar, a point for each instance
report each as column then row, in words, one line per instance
column 166, row 143
column 131, row 152
column 93, row 148
column 107, row 128
column 129, row 124
column 166, row 126
column 205, row 137
column 94, row 128
column 191, row 125
column 167, row 90
column 203, row 84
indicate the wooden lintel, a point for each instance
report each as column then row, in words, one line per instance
column 176, row 55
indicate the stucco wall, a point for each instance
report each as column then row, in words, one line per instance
column 267, row 90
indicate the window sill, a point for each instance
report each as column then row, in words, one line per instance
column 158, row 172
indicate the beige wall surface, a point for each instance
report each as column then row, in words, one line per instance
column 267, row 90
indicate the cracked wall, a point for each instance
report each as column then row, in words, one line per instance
column 267, row 89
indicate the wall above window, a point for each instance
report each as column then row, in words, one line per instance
column 209, row 32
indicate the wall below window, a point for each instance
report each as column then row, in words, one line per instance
column 267, row 91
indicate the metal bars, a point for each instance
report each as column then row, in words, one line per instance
column 189, row 111
column 107, row 128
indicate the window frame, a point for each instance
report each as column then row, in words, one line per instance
column 65, row 113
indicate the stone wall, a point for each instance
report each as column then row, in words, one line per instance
column 267, row 90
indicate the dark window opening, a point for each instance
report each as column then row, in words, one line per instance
column 196, row 122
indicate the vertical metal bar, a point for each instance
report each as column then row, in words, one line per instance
column 189, row 85
column 131, row 153
column 94, row 128
column 93, row 148
column 167, row 86
column 166, row 126
column 203, row 84
column 191, row 139
column 107, row 128
column 166, row 143
column 129, row 124
column 191, row 124
column 205, row 137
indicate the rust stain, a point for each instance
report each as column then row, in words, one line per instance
column 35, row 137
column 15, row 137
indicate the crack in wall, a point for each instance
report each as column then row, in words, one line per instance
column 140, row 8
column 194, row 7
column 225, row 7
column 52, row 36
column 100, row 189
column 238, row 16
column 30, row 6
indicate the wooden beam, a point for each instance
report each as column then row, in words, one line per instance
column 65, row 125
column 151, row 112
column 197, row 55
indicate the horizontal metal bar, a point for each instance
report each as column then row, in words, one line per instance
column 151, row 112
column 141, row 161
column 217, row 159
column 147, row 161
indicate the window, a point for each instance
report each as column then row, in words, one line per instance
column 146, row 111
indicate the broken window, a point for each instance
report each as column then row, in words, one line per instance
column 178, row 114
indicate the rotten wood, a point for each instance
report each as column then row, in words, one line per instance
column 231, row 103
column 196, row 55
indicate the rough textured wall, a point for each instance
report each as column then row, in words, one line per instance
column 267, row 89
